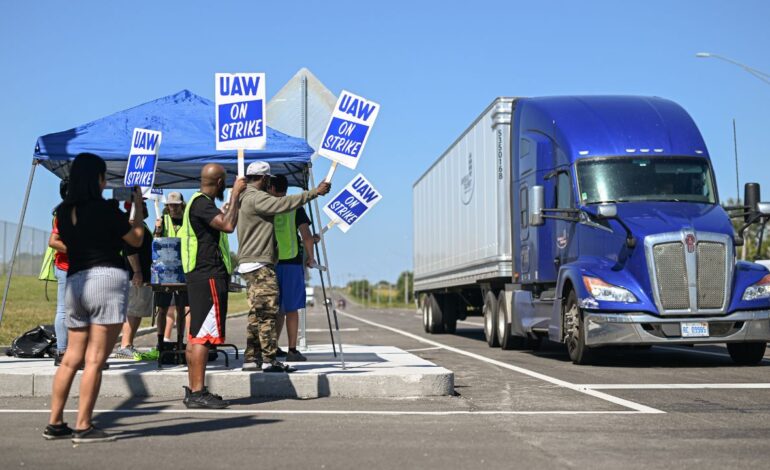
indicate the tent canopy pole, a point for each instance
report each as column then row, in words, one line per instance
column 18, row 237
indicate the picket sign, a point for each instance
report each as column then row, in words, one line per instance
column 143, row 160
column 348, row 130
column 354, row 201
column 156, row 195
column 240, row 113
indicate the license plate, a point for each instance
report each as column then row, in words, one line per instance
column 695, row 330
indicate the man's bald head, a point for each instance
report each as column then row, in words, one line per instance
column 213, row 178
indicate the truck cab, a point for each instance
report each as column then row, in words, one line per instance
column 618, row 234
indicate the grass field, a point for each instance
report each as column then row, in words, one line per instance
column 27, row 306
column 380, row 298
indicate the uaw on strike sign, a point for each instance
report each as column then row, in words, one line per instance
column 353, row 202
column 349, row 128
column 142, row 159
column 240, row 111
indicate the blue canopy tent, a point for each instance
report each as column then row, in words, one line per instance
column 187, row 123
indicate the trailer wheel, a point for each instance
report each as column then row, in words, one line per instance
column 747, row 354
column 425, row 322
column 435, row 317
column 449, row 310
column 506, row 338
column 574, row 332
column 490, row 319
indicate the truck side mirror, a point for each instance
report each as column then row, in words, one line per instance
column 607, row 211
column 536, row 206
column 751, row 198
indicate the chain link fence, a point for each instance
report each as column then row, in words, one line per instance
column 32, row 246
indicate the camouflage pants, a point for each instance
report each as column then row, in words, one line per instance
column 261, row 336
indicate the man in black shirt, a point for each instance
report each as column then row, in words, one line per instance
column 207, row 265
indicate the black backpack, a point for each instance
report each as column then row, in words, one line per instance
column 36, row 342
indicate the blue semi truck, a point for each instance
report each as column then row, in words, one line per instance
column 591, row 221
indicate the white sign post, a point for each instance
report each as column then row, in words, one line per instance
column 156, row 195
column 240, row 113
column 353, row 202
column 348, row 130
column 142, row 159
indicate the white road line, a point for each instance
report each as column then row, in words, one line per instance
column 697, row 351
column 326, row 330
column 726, row 386
column 423, row 349
column 471, row 323
column 578, row 388
column 140, row 411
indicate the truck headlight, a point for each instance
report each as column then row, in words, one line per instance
column 601, row 290
column 760, row 290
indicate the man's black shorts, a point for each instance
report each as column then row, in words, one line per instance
column 208, row 310
column 163, row 299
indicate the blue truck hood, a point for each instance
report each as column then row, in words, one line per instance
column 649, row 218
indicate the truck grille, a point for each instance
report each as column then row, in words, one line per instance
column 671, row 274
column 711, row 275
column 690, row 281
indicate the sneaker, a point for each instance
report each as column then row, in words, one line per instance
column 125, row 353
column 276, row 366
column 252, row 366
column 188, row 393
column 280, row 353
column 57, row 431
column 295, row 356
column 92, row 434
column 205, row 399
column 151, row 355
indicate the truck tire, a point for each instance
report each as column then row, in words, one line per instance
column 449, row 309
column 506, row 338
column 490, row 319
column 435, row 316
column 425, row 323
column 747, row 354
column 574, row 332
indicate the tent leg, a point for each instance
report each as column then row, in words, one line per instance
column 325, row 262
column 18, row 237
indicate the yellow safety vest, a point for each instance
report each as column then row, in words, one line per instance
column 190, row 241
column 286, row 235
column 168, row 227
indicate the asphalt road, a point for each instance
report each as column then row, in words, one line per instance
column 663, row 408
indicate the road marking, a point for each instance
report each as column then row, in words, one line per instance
column 578, row 388
column 326, row 330
column 696, row 351
column 424, row 349
column 140, row 411
column 471, row 323
column 676, row 386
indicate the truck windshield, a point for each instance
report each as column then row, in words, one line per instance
column 629, row 179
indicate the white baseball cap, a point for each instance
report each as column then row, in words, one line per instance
column 258, row 168
column 174, row 198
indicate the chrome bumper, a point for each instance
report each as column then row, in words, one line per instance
column 644, row 329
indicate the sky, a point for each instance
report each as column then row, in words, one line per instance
column 432, row 65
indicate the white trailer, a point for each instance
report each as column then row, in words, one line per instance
column 462, row 230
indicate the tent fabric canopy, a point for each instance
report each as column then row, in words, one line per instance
column 187, row 123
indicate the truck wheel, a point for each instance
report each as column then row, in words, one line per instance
column 435, row 317
column 449, row 313
column 490, row 319
column 506, row 339
column 574, row 332
column 425, row 322
column 747, row 354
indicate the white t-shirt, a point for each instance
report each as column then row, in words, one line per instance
column 244, row 268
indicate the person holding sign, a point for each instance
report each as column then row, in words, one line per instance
column 257, row 256
column 207, row 266
column 293, row 252
column 93, row 230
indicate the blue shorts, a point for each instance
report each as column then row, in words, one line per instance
column 291, row 287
